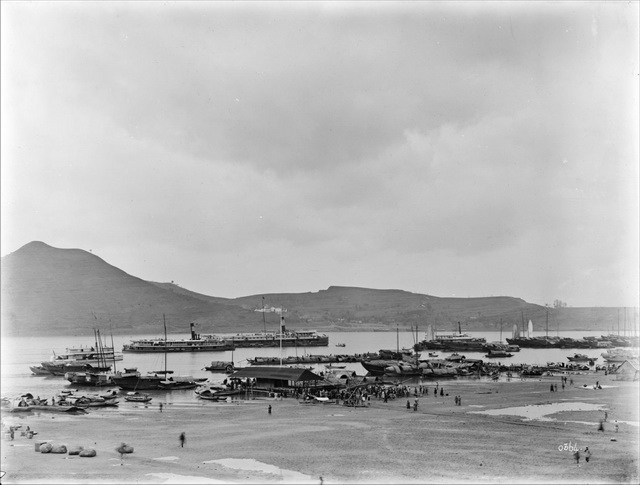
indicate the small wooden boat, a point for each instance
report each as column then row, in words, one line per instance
column 341, row 345
column 209, row 395
column 317, row 400
column 581, row 358
column 220, row 366
column 39, row 370
column 137, row 397
column 496, row 354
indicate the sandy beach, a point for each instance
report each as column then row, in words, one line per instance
column 241, row 442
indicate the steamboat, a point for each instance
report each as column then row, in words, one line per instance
column 197, row 343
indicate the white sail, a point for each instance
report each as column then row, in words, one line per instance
column 515, row 333
column 429, row 334
column 530, row 329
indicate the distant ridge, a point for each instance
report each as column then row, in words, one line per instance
column 52, row 291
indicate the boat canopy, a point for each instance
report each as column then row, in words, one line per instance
column 281, row 373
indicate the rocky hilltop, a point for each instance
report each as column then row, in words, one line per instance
column 52, row 291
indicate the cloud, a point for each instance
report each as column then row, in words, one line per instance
column 331, row 144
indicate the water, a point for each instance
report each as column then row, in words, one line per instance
column 19, row 353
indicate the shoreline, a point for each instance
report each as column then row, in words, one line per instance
column 382, row 443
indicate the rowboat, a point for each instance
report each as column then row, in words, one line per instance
column 136, row 397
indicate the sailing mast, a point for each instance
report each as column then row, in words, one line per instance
column 165, row 345
column 264, row 322
column 547, row 324
column 281, row 332
column 501, row 330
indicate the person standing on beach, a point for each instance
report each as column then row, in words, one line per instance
column 587, row 454
column 601, row 426
column 606, row 415
column 442, row 391
column 160, row 407
column 576, row 455
column 183, row 438
column 408, row 404
column 269, row 408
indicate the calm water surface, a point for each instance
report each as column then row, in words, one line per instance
column 20, row 353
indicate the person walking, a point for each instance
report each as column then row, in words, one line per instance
column 442, row 391
column 587, row 454
column 160, row 407
column 269, row 408
column 576, row 455
column 183, row 438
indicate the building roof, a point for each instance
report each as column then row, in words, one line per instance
column 280, row 373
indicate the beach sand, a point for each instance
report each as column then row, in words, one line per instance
column 380, row 443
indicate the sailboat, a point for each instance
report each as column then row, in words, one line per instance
column 174, row 382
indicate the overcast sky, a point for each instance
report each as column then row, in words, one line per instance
column 450, row 149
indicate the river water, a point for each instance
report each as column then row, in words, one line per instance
column 19, row 353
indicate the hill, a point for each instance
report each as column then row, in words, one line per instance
column 52, row 291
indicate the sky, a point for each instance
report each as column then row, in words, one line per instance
column 237, row 148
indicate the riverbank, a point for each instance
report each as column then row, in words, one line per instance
column 381, row 443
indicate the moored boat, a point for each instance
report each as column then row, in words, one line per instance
column 581, row 358
column 132, row 379
column 197, row 343
column 39, row 370
column 220, row 366
column 137, row 397
column 451, row 342
column 619, row 355
column 498, row 354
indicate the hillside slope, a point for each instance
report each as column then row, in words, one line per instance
column 51, row 291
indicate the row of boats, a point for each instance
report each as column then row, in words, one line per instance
column 467, row 343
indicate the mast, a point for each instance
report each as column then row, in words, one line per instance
column 397, row 339
column 281, row 332
column 264, row 322
column 113, row 349
column 165, row 345
column 547, row 323
column 501, row 330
